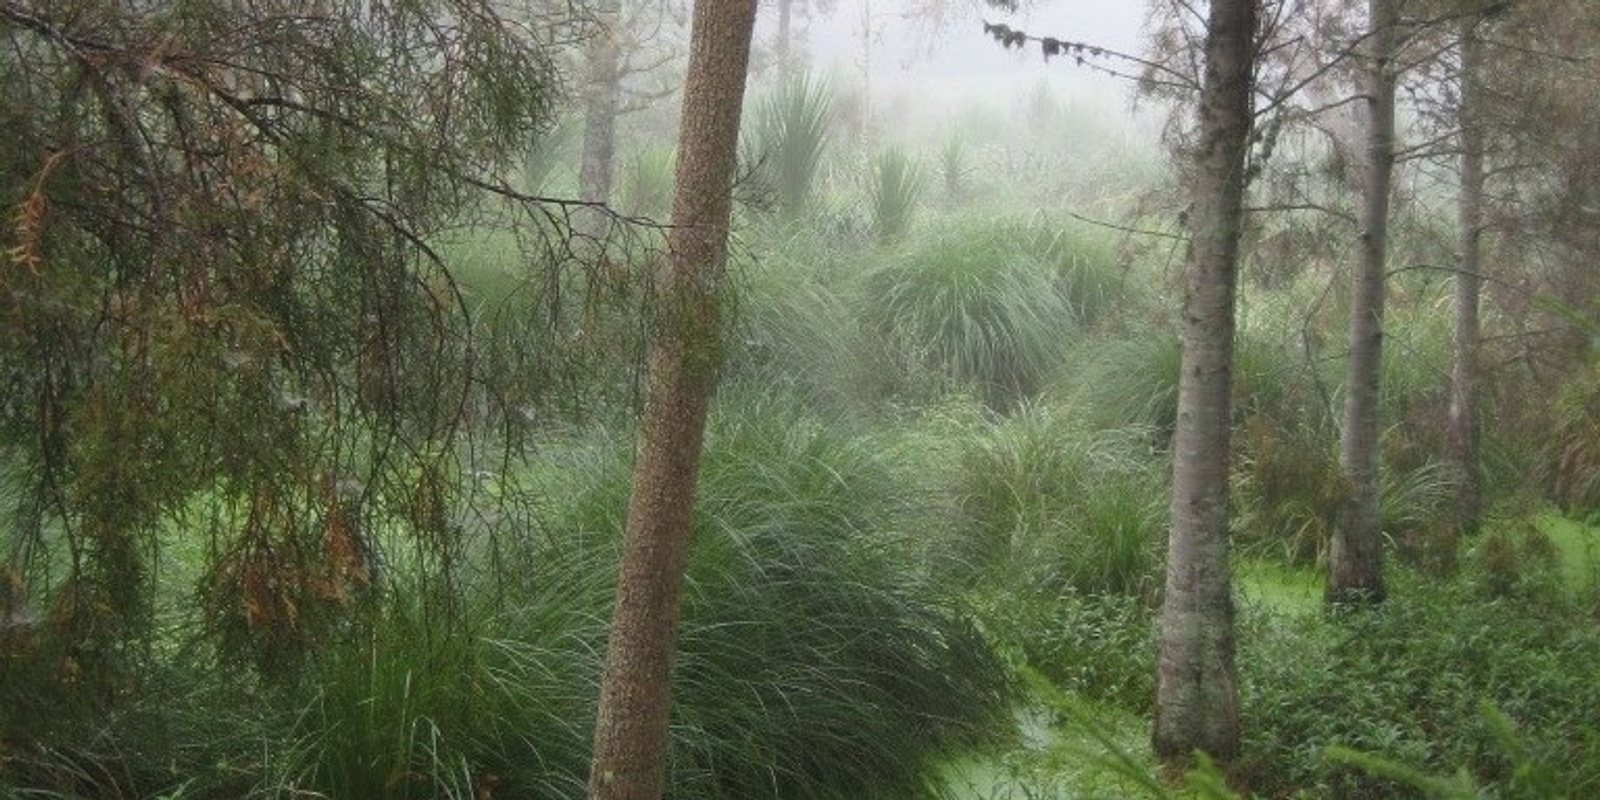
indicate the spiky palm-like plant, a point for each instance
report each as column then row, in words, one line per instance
column 896, row 187
column 789, row 140
column 953, row 167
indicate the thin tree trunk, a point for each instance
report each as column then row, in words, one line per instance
column 1196, row 692
column 602, row 95
column 631, row 726
column 785, row 44
column 1463, row 433
column 1355, row 559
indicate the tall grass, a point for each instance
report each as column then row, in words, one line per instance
column 795, row 327
column 815, row 658
column 1044, row 504
column 973, row 302
column 646, row 189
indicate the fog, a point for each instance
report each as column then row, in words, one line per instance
column 952, row 59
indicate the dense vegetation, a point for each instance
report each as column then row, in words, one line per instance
column 345, row 524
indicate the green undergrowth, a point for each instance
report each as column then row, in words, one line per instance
column 1406, row 682
column 1577, row 547
column 818, row 657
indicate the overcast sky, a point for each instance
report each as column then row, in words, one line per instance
column 961, row 56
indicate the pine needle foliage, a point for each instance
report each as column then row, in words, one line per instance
column 220, row 289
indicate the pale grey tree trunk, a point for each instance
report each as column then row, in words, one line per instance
column 1462, row 435
column 1355, row 559
column 602, row 96
column 1196, row 693
column 632, row 721
column 784, row 46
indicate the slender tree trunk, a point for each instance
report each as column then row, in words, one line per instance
column 785, row 43
column 1355, row 560
column 1196, row 692
column 602, row 94
column 631, row 727
column 1462, row 436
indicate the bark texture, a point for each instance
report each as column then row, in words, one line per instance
column 1355, row 558
column 1462, row 434
column 632, row 722
column 602, row 95
column 1196, row 692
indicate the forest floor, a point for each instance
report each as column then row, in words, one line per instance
column 1099, row 750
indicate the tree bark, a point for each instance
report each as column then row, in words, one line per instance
column 602, row 95
column 1196, row 692
column 1355, row 559
column 632, row 721
column 1462, row 435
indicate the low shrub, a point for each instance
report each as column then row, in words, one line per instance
column 1406, row 682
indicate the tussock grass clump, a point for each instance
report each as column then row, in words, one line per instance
column 1043, row 504
column 421, row 711
column 794, row 327
column 978, row 305
column 816, row 657
column 1125, row 381
column 1572, row 451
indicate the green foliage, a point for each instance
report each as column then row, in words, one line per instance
column 815, row 656
column 976, row 304
column 894, row 189
column 646, row 189
column 795, row 326
column 419, row 711
column 1125, row 381
column 548, row 151
column 1287, row 488
column 789, row 138
column 1572, row 451
column 219, row 285
column 1103, row 752
column 1530, row 778
column 1046, row 506
column 953, row 168
column 1405, row 683
column 1098, row 647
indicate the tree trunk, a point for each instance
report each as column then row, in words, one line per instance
column 631, row 727
column 602, row 95
column 785, row 45
column 1196, row 694
column 1462, row 435
column 1355, row 559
